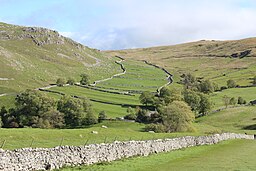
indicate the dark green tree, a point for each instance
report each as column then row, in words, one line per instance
column 71, row 81
column 60, row 82
column 102, row 116
column 147, row 98
column 205, row 104
column 241, row 101
column 84, row 79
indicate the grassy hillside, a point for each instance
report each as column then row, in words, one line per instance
column 209, row 59
column 32, row 57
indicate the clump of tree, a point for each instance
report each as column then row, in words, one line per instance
column 60, row 82
column 130, row 114
column 199, row 102
column 85, row 80
column 147, row 98
column 172, row 113
column 102, row 116
column 190, row 82
column 71, row 81
column 231, row 84
column 241, row 101
column 35, row 109
column 230, row 100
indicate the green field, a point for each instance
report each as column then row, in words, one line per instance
column 139, row 76
column 229, row 120
column 227, row 155
column 246, row 93
column 233, row 120
column 117, row 130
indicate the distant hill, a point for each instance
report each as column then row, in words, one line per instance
column 32, row 57
column 210, row 59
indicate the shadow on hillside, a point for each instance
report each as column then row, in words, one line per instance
column 250, row 127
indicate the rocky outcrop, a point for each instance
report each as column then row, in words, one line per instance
column 54, row 158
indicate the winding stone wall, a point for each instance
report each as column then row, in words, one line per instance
column 54, row 158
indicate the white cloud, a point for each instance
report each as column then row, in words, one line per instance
column 150, row 23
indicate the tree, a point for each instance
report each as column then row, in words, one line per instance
column 188, row 80
column 241, row 101
column 60, row 82
column 84, row 79
column 231, row 84
column 147, row 98
column 102, row 116
column 71, row 81
column 205, row 104
column 193, row 99
column 232, row 101
column 206, row 86
column 31, row 103
column 178, row 117
column 77, row 112
column 226, row 100
column 168, row 95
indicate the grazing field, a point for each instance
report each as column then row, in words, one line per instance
column 117, row 130
column 139, row 76
column 246, row 93
column 242, row 119
column 227, row 155
column 98, row 95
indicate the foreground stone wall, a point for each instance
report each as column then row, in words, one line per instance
column 54, row 158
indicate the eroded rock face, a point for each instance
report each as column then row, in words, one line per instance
column 53, row 158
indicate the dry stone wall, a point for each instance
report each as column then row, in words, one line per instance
column 54, row 158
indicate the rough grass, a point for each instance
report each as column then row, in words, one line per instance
column 32, row 66
column 227, row 155
column 246, row 93
column 208, row 59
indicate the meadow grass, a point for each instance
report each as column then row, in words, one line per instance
column 227, row 155
column 117, row 130
column 98, row 95
column 246, row 93
column 232, row 120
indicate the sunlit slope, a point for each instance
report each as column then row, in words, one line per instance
column 215, row 60
column 32, row 57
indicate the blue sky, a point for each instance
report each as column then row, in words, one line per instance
column 119, row 24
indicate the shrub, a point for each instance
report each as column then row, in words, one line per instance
column 158, row 128
column 130, row 117
column 231, row 84
column 223, row 88
column 102, row 116
column 84, row 79
column 71, row 81
column 60, row 82
column 241, row 101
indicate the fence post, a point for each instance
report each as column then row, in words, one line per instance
column 2, row 146
column 61, row 141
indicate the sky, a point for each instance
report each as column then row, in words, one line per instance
column 122, row 24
